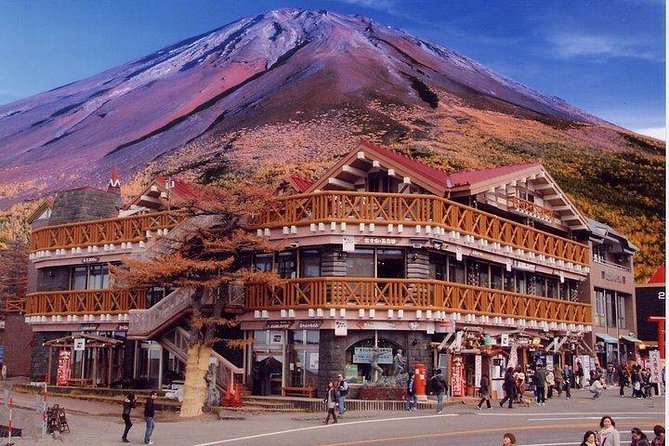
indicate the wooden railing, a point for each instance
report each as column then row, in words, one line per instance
column 367, row 207
column 84, row 302
column 15, row 306
column 530, row 208
column 99, row 232
column 412, row 294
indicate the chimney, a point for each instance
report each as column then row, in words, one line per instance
column 114, row 183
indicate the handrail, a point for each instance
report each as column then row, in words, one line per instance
column 15, row 306
column 144, row 321
column 368, row 207
column 529, row 207
column 601, row 261
column 412, row 294
column 71, row 302
column 96, row 232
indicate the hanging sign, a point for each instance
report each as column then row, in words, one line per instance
column 348, row 243
column 504, row 340
column 457, row 376
column 477, row 370
column 63, row 372
column 341, row 328
column 79, row 344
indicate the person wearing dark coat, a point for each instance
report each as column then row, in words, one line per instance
column 129, row 403
column 540, row 383
column 509, row 388
column 484, row 389
column 639, row 438
column 331, row 400
column 149, row 412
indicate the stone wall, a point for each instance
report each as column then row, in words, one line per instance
column 18, row 337
column 40, row 355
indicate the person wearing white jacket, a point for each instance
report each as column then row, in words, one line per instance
column 596, row 388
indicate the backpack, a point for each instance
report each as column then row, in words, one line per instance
column 437, row 383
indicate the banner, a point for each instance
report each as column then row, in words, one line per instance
column 64, row 363
column 477, row 370
column 655, row 366
column 457, row 376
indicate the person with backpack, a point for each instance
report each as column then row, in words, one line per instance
column 438, row 383
column 129, row 403
column 342, row 388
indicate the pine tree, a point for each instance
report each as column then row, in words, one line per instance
column 207, row 254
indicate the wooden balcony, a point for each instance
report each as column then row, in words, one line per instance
column 15, row 306
column 84, row 302
column 99, row 232
column 367, row 207
column 527, row 207
column 412, row 294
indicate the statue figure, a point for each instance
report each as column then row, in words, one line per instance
column 399, row 363
column 376, row 370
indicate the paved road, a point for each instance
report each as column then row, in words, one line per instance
column 559, row 423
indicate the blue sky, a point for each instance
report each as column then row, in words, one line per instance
column 606, row 57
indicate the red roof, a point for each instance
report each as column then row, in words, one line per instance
column 434, row 174
column 474, row 176
column 658, row 276
column 300, row 184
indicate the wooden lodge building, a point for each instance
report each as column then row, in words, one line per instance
column 468, row 272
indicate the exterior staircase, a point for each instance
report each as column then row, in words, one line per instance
column 144, row 324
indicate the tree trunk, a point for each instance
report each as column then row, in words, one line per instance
column 195, row 386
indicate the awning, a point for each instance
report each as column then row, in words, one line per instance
column 631, row 339
column 606, row 338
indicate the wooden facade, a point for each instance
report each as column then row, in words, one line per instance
column 424, row 210
column 79, row 302
column 412, row 294
column 99, row 232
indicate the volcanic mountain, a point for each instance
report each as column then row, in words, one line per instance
column 293, row 89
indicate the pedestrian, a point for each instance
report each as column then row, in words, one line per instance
column 608, row 435
column 509, row 439
column 658, row 430
column 540, row 382
column 623, row 379
column 589, row 439
column 610, row 373
column 331, row 402
column 484, row 389
column 149, row 411
column 411, row 399
column 129, row 403
column 645, row 383
column 509, row 388
column 519, row 378
column 550, row 383
column 438, row 383
column 579, row 375
column 342, row 389
column 596, row 388
column 559, row 380
column 639, row 438
column 568, row 376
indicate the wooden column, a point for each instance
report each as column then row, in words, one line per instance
column 95, row 366
column 48, row 370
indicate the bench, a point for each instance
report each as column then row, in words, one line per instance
column 308, row 391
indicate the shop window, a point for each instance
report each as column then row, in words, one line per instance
column 360, row 263
column 358, row 359
column 310, row 263
column 390, row 263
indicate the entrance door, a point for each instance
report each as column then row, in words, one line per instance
column 149, row 364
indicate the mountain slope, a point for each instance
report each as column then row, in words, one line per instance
column 293, row 89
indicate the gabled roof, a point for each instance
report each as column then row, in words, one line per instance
column 604, row 232
column 659, row 275
column 300, row 184
column 477, row 179
column 44, row 205
column 157, row 195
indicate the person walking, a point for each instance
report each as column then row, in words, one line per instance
column 411, row 399
column 658, row 430
column 484, row 389
column 509, row 388
column 509, row 439
column 439, row 387
column 129, row 403
column 342, row 388
column 540, row 382
column 635, row 378
column 559, row 380
column 568, row 376
column 623, row 379
column 608, row 435
column 550, row 383
column 149, row 412
column 579, row 376
column 639, row 438
column 589, row 439
column 330, row 402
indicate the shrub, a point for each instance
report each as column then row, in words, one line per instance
column 381, row 392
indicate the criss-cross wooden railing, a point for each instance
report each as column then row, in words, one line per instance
column 407, row 209
column 99, row 232
column 412, row 294
column 529, row 207
column 79, row 302
column 15, row 306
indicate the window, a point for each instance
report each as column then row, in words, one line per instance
column 264, row 262
column 285, row 265
column 610, row 308
column 438, row 270
column 79, row 278
column 360, row 263
column 551, row 287
column 496, row 277
column 310, row 263
column 621, row 311
column 456, row 271
column 540, row 286
column 390, row 263
column 92, row 277
column 600, row 308
column 509, row 281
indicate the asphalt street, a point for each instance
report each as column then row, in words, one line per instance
column 559, row 422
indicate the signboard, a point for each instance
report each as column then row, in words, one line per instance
column 79, row 344
column 123, row 327
column 278, row 325
column 348, row 243
column 363, row 355
column 477, row 370
column 90, row 259
column 504, row 340
column 276, row 338
column 63, row 372
column 341, row 328
column 457, row 376
column 89, row 327
column 524, row 266
column 309, row 324
column 379, row 241
column 655, row 366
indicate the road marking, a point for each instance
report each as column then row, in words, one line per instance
column 613, row 414
column 302, row 429
column 587, row 418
